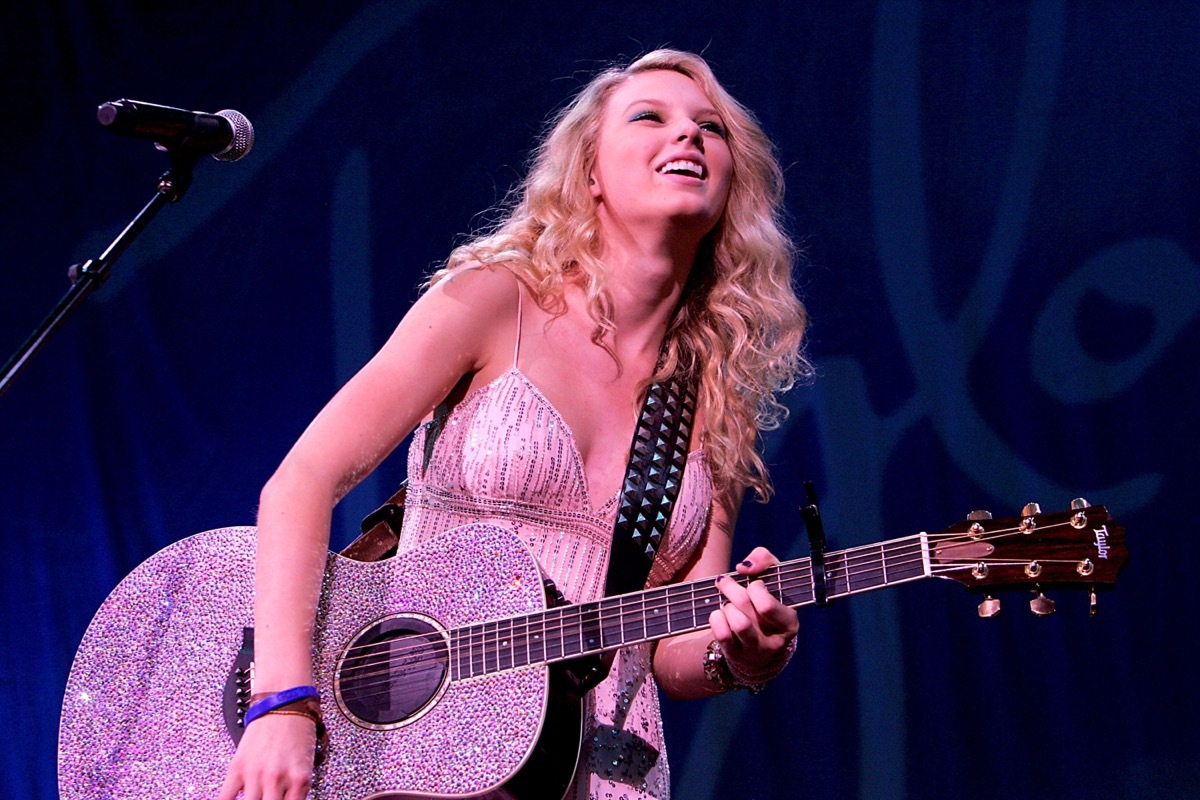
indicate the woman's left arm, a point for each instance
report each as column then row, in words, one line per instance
column 753, row 630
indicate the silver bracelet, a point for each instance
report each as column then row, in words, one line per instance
column 720, row 672
column 761, row 678
column 716, row 668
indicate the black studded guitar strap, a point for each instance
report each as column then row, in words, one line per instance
column 656, row 462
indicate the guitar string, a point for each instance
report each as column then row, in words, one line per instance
column 848, row 561
column 513, row 634
column 479, row 662
column 517, row 634
column 499, row 648
column 783, row 572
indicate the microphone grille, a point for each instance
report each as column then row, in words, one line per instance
column 243, row 136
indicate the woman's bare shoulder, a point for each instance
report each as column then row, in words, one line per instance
column 461, row 319
column 483, row 287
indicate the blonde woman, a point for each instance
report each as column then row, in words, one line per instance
column 645, row 242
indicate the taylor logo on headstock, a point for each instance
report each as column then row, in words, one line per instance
column 1101, row 540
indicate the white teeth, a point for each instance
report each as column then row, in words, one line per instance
column 688, row 167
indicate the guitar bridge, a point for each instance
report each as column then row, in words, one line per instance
column 235, row 699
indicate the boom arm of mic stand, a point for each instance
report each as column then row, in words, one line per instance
column 88, row 276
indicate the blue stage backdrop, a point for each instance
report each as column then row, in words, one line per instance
column 999, row 208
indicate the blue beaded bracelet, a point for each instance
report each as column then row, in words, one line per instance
column 278, row 699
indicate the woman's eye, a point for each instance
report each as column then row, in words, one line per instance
column 713, row 127
column 653, row 116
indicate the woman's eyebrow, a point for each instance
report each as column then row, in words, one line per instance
column 654, row 101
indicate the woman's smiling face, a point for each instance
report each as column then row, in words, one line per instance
column 661, row 155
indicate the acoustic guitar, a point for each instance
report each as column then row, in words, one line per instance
column 441, row 669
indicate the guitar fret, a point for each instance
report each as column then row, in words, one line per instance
column 526, row 641
column 479, row 650
column 908, row 559
column 796, row 589
column 553, row 647
column 656, row 623
column 688, row 618
column 836, row 576
column 587, row 635
column 520, row 641
column 491, row 659
column 505, row 645
column 464, row 654
column 633, row 619
column 680, row 616
column 871, row 576
column 537, row 639
column 493, row 646
column 468, row 654
column 589, row 628
column 609, row 614
column 778, row 586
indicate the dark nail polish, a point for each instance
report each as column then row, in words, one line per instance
column 747, row 563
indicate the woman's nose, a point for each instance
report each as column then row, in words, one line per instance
column 690, row 131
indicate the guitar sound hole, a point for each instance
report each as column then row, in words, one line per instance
column 392, row 671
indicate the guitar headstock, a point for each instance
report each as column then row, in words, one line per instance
column 1080, row 548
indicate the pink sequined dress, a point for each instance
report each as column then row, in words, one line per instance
column 505, row 455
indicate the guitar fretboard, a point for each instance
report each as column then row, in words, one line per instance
column 572, row 631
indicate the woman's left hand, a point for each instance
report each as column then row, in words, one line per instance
column 755, row 630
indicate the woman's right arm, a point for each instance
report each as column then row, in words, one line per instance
column 461, row 326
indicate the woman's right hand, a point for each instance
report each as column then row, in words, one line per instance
column 274, row 760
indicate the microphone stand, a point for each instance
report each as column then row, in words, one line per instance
column 88, row 276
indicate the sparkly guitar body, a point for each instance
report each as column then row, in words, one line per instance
column 443, row 671
column 148, row 711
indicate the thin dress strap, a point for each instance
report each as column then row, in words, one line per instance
column 517, row 344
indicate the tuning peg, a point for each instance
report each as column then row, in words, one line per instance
column 1092, row 603
column 989, row 608
column 1030, row 509
column 1041, row 605
column 976, row 530
column 1079, row 504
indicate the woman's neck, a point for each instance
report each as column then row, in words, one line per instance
column 645, row 290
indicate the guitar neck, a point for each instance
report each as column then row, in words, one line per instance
column 567, row 632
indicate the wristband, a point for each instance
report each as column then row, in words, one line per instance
column 274, row 701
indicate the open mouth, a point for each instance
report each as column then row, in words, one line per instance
column 683, row 167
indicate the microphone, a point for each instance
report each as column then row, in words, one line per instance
column 226, row 135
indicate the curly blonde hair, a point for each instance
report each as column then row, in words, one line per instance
column 739, row 326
